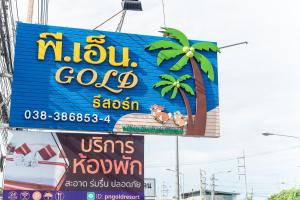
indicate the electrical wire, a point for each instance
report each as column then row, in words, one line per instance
column 164, row 14
column 38, row 11
column 47, row 11
column 229, row 159
column 7, row 32
column 42, row 11
column 17, row 10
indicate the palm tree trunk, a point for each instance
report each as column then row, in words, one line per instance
column 200, row 116
column 190, row 121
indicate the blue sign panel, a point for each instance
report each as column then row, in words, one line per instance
column 90, row 80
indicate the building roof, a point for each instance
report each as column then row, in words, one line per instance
column 208, row 192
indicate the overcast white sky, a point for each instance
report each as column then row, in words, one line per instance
column 259, row 86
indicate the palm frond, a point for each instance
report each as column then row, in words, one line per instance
column 167, row 54
column 206, row 65
column 207, row 46
column 162, row 83
column 178, row 35
column 166, row 89
column 184, row 77
column 163, row 44
column 187, row 88
column 174, row 93
column 168, row 77
column 183, row 61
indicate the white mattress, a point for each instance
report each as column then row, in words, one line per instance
column 44, row 174
column 48, row 174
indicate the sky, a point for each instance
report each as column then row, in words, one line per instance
column 258, row 85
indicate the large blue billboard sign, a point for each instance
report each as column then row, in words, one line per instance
column 89, row 80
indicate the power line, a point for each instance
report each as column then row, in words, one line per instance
column 228, row 159
column 17, row 10
column 164, row 14
column 38, row 11
column 7, row 42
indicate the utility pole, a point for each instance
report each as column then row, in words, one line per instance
column 251, row 195
column 164, row 191
column 202, row 185
column 243, row 172
column 30, row 11
column 213, row 186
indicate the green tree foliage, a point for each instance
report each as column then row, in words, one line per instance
column 170, row 83
column 292, row 194
column 173, row 50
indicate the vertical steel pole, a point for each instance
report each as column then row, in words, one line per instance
column 177, row 169
column 202, row 185
column 30, row 11
column 246, row 184
column 213, row 178
column 182, row 184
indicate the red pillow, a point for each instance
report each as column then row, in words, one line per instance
column 23, row 149
column 47, row 152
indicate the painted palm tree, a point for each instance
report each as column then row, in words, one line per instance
column 192, row 54
column 175, row 85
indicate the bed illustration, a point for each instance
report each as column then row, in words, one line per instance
column 35, row 165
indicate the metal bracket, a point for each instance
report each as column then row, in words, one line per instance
column 232, row 45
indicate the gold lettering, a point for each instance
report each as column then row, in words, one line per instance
column 56, row 47
column 105, row 80
column 123, row 78
column 68, row 78
column 81, row 73
column 101, row 53
column 112, row 57
column 96, row 39
column 76, row 53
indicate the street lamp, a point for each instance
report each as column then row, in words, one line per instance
column 133, row 5
column 281, row 135
column 177, row 184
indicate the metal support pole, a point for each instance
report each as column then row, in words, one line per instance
column 120, row 25
column 243, row 172
column 212, row 192
column 202, row 185
column 232, row 45
column 182, row 184
column 246, row 184
column 30, row 11
column 177, row 170
column 107, row 20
